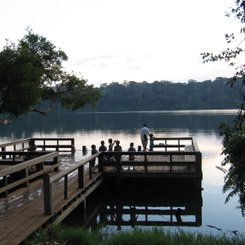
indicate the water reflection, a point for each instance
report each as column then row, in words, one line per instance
column 127, row 210
column 62, row 123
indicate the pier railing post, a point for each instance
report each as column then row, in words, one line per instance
column 55, row 160
column 145, row 162
column 65, row 186
column 47, row 194
column 73, row 149
column 90, row 169
column 84, row 149
column 100, row 159
column 81, row 178
column 3, row 149
column 199, row 170
column 171, row 163
column 198, row 162
column 118, row 162
column 5, row 183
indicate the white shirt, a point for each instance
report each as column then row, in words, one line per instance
column 144, row 131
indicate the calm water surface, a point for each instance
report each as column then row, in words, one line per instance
column 88, row 129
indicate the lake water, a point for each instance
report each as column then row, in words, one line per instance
column 91, row 128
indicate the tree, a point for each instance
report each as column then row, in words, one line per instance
column 31, row 72
column 234, row 136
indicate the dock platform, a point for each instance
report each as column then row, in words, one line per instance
column 33, row 202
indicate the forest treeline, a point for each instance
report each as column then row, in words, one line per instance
column 165, row 95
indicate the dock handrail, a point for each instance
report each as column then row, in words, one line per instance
column 119, row 162
column 57, row 144
column 24, row 166
column 48, row 181
column 20, row 145
column 11, row 156
column 175, row 142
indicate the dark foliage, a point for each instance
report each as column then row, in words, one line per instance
column 164, row 95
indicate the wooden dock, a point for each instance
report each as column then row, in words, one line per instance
column 45, row 201
column 30, row 202
column 175, row 163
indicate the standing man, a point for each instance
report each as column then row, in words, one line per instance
column 144, row 133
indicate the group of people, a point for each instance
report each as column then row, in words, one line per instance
column 115, row 145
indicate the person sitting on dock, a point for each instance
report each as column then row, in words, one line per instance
column 144, row 133
column 131, row 148
column 102, row 147
column 131, row 157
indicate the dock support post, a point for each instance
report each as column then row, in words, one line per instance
column 90, row 169
column 199, row 169
column 25, row 173
column 81, row 178
column 65, row 186
column 100, row 163
column 84, row 150
column 56, row 169
column 198, row 162
column 73, row 149
column 171, row 163
column 5, row 183
column 145, row 162
column 118, row 163
column 3, row 149
column 85, row 209
column 47, row 193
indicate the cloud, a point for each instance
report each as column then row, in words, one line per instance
column 117, row 40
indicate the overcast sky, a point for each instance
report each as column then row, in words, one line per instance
column 134, row 40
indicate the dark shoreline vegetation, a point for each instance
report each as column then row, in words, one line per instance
column 70, row 235
column 162, row 95
column 165, row 95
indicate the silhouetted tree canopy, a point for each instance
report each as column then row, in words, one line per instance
column 165, row 95
column 31, row 72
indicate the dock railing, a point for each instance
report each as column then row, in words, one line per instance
column 17, row 145
column 158, row 162
column 22, row 173
column 56, row 144
column 44, row 144
column 175, row 143
column 49, row 181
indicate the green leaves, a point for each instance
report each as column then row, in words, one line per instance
column 234, row 145
column 31, row 72
column 75, row 93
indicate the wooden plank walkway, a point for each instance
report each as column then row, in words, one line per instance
column 19, row 220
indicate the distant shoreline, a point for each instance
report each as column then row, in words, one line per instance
column 174, row 112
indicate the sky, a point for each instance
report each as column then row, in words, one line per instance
column 127, row 40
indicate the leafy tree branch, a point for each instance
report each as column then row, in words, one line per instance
column 31, row 72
